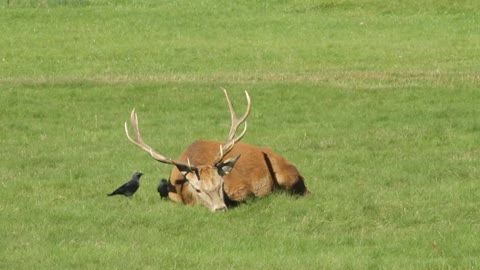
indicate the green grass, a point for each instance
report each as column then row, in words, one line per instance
column 375, row 102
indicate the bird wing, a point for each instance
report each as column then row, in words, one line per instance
column 120, row 189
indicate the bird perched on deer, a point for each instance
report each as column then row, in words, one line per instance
column 130, row 187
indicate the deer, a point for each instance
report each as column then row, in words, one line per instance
column 218, row 174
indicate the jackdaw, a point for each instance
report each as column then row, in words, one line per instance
column 163, row 188
column 129, row 188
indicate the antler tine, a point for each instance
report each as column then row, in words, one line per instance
column 236, row 122
column 239, row 137
column 230, row 143
column 138, row 141
column 134, row 121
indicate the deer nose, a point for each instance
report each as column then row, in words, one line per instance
column 220, row 209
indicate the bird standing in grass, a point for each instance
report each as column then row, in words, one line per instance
column 129, row 188
column 163, row 188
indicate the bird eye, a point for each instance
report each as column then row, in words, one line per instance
column 197, row 190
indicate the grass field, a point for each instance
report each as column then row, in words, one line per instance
column 376, row 103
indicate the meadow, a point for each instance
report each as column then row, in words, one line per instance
column 376, row 103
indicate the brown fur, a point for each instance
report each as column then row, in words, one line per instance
column 258, row 172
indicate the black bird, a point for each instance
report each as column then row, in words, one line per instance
column 163, row 188
column 129, row 188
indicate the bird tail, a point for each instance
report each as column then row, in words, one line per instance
column 111, row 194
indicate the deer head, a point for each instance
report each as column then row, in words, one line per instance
column 204, row 181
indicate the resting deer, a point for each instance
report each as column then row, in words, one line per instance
column 209, row 170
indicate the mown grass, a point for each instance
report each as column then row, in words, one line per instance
column 376, row 103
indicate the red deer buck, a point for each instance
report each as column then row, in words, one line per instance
column 215, row 174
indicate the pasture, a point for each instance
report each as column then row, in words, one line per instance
column 376, row 103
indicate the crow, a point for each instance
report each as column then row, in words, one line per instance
column 163, row 188
column 129, row 188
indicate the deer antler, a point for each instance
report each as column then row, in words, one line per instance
column 236, row 122
column 140, row 143
column 224, row 149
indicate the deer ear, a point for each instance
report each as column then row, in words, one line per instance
column 226, row 166
column 183, row 169
column 180, row 181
